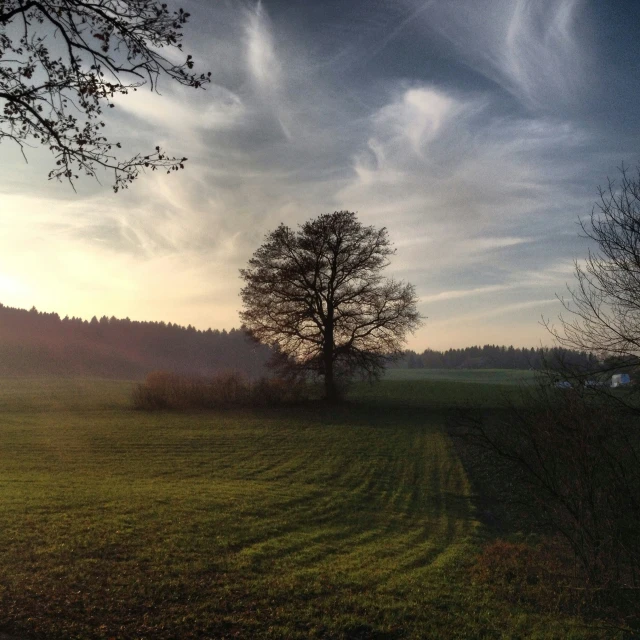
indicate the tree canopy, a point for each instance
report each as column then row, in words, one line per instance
column 317, row 296
column 63, row 61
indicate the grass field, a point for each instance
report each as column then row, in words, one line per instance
column 471, row 376
column 354, row 522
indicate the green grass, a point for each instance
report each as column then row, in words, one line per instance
column 435, row 396
column 354, row 522
column 478, row 376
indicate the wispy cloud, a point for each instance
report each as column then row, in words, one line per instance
column 177, row 109
column 507, row 309
column 262, row 61
column 417, row 117
column 445, row 169
column 534, row 50
column 463, row 293
column 264, row 66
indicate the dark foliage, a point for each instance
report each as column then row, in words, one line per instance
column 63, row 61
column 317, row 297
column 36, row 343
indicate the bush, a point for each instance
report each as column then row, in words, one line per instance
column 229, row 389
column 274, row 391
column 163, row 390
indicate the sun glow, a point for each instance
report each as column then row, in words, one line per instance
column 12, row 286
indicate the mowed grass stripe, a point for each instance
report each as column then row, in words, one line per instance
column 295, row 523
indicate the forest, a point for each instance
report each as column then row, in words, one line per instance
column 492, row 356
column 39, row 343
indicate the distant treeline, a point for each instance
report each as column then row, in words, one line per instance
column 493, row 357
column 36, row 343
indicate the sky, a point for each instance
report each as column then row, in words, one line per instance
column 476, row 131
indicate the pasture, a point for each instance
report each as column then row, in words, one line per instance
column 352, row 522
column 465, row 376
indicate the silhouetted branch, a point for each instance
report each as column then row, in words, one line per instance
column 58, row 100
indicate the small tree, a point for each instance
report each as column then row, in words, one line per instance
column 604, row 306
column 317, row 297
column 576, row 449
column 63, row 61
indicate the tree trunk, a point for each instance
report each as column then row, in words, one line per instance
column 330, row 389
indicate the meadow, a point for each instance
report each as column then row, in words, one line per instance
column 300, row 522
column 466, row 376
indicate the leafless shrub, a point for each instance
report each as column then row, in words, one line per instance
column 163, row 390
column 275, row 391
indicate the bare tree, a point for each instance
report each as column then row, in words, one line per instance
column 604, row 307
column 63, row 61
column 576, row 445
column 318, row 298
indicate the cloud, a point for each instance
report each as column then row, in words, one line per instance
column 417, row 117
column 476, row 202
column 262, row 61
column 446, row 169
column 177, row 109
column 264, row 67
column 517, row 323
column 463, row 293
column 480, row 195
column 535, row 50
column 505, row 310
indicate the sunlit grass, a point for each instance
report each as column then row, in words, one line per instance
column 305, row 522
